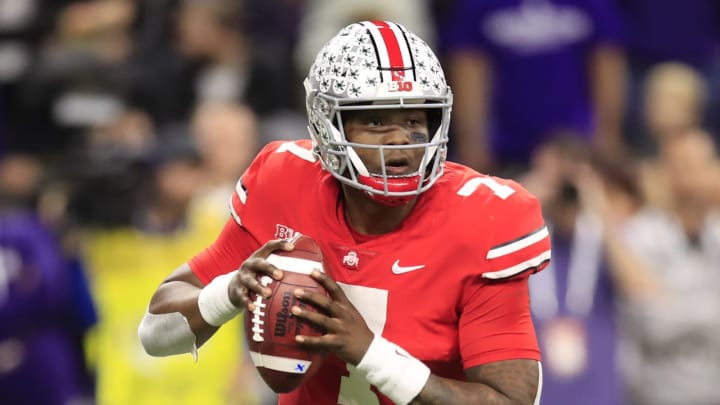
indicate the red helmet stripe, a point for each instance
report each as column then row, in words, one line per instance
column 392, row 46
column 405, row 49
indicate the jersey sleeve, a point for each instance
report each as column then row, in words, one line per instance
column 495, row 320
column 495, row 323
column 230, row 249
column 519, row 239
column 251, row 206
column 249, row 182
column 235, row 242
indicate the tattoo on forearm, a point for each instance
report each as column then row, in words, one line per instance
column 511, row 382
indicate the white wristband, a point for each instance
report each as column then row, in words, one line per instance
column 393, row 371
column 214, row 301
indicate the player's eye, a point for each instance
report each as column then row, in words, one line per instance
column 375, row 122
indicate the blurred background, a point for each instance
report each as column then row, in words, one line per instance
column 124, row 125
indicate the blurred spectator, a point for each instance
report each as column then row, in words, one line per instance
column 210, row 32
column 322, row 19
column 686, row 165
column 171, row 182
column 226, row 136
column 210, row 59
column 107, row 170
column 45, row 305
column 684, row 32
column 573, row 300
column 79, row 78
column 671, row 315
column 125, row 260
column 227, row 139
column 674, row 99
column 275, row 25
column 23, row 25
column 522, row 70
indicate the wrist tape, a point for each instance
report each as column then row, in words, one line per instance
column 214, row 301
column 393, row 371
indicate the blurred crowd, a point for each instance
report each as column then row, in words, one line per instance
column 124, row 125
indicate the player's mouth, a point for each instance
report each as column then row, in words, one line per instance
column 398, row 166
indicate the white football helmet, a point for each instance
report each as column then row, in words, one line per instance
column 377, row 65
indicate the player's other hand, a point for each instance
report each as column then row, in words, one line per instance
column 347, row 334
column 246, row 279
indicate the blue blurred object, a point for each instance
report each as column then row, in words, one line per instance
column 670, row 31
column 573, row 303
column 540, row 53
column 45, row 310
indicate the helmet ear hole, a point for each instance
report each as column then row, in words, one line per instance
column 434, row 116
column 336, row 121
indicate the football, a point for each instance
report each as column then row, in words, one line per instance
column 271, row 328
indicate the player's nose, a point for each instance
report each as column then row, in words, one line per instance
column 397, row 135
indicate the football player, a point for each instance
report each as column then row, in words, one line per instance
column 426, row 261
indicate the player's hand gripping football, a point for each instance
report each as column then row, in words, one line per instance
column 347, row 334
column 246, row 280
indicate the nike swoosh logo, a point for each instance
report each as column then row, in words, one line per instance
column 398, row 269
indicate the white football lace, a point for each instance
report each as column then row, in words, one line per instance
column 258, row 313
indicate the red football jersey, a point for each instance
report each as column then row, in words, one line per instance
column 449, row 285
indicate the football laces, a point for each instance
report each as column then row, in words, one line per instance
column 259, row 313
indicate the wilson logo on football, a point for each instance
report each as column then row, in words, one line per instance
column 283, row 315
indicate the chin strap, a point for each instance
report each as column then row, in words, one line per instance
column 394, row 185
